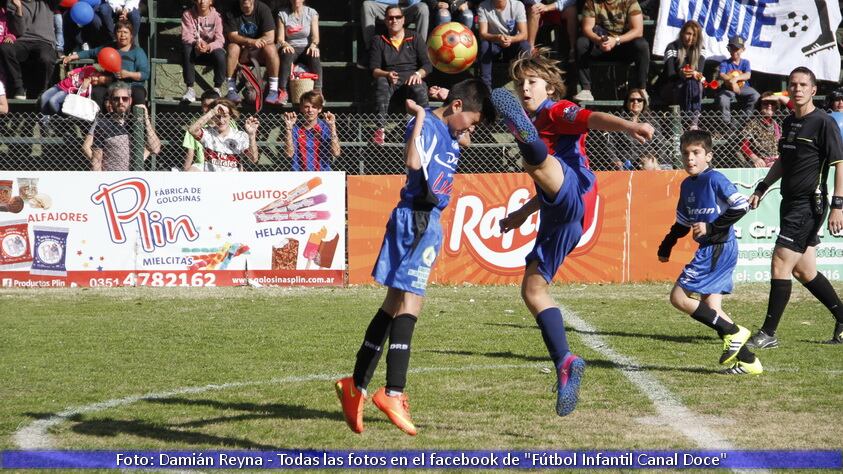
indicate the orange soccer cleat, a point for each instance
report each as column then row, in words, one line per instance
column 352, row 401
column 397, row 409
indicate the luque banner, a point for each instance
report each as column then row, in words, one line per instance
column 779, row 34
column 171, row 229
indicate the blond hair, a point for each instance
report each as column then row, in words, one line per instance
column 541, row 65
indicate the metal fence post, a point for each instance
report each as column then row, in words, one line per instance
column 138, row 138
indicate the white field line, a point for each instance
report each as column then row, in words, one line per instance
column 671, row 412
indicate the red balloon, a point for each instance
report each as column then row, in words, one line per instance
column 110, row 60
column 67, row 3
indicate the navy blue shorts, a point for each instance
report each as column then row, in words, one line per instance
column 560, row 226
column 410, row 246
column 710, row 271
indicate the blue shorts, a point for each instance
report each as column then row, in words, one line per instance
column 710, row 272
column 410, row 246
column 560, row 226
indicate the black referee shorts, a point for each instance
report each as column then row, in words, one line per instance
column 799, row 226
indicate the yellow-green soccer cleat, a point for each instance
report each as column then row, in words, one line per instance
column 745, row 368
column 732, row 344
column 837, row 337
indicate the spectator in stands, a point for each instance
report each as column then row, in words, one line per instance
column 194, row 152
column 834, row 100
column 502, row 28
column 627, row 151
column 4, row 104
column 761, row 134
column 735, row 73
column 223, row 144
column 682, row 73
column 450, row 10
column 134, row 63
column 563, row 10
column 122, row 10
column 202, row 42
column 58, row 29
column 298, row 38
column 250, row 31
column 78, row 81
column 399, row 65
column 612, row 31
column 312, row 144
column 112, row 132
column 31, row 21
column 373, row 10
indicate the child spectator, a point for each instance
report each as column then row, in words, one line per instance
column 735, row 73
column 834, row 101
column 313, row 143
column 77, row 81
column 501, row 27
column 194, row 152
column 202, row 43
column 222, row 144
column 298, row 37
column 709, row 204
column 6, row 36
column 682, row 73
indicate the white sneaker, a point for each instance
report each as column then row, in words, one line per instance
column 85, row 47
column 189, row 95
column 584, row 96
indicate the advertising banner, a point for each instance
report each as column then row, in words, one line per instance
column 171, row 229
column 633, row 212
column 779, row 34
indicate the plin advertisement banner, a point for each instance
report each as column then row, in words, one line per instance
column 171, row 229
column 631, row 215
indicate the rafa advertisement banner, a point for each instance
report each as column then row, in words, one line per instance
column 632, row 213
column 171, row 229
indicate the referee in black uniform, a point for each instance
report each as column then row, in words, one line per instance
column 809, row 146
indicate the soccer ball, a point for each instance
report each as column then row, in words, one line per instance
column 452, row 47
column 795, row 23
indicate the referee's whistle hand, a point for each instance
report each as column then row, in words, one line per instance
column 754, row 200
column 835, row 222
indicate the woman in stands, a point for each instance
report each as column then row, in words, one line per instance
column 681, row 79
column 629, row 153
column 135, row 64
column 297, row 35
column 761, row 134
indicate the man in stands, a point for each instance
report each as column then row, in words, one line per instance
column 613, row 30
column 250, row 31
column 374, row 10
column 31, row 21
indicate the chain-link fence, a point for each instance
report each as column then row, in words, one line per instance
column 36, row 142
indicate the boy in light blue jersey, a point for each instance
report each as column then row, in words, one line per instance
column 410, row 246
column 709, row 204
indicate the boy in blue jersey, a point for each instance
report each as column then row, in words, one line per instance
column 564, row 192
column 410, row 246
column 708, row 205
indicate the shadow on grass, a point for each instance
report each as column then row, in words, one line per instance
column 657, row 337
column 260, row 411
column 496, row 355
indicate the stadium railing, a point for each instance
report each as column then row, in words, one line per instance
column 29, row 141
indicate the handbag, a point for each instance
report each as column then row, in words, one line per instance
column 80, row 107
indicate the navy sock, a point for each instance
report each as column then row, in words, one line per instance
column 553, row 332
column 824, row 292
column 398, row 355
column 779, row 296
column 534, row 153
column 372, row 348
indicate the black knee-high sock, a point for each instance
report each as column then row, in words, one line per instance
column 372, row 348
column 779, row 296
column 708, row 316
column 824, row 292
column 746, row 355
column 398, row 355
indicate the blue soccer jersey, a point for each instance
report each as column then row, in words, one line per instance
column 705, row 197
column 413, row 234
column 431, row 185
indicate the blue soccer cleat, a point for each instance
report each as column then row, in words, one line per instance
column 568, row 385
column 513, row 116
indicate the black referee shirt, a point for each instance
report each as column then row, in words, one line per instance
column 808, row 146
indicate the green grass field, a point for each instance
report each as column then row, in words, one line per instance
column 262, row 362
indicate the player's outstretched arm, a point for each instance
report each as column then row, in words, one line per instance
column 518, row 217
column 835, row 217
column 640, row 131
column 773, row 175
column 677, row 231
column 411, row 153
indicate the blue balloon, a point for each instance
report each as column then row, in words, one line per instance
column 93, row 3
column 838, row 117
column 81, row 13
